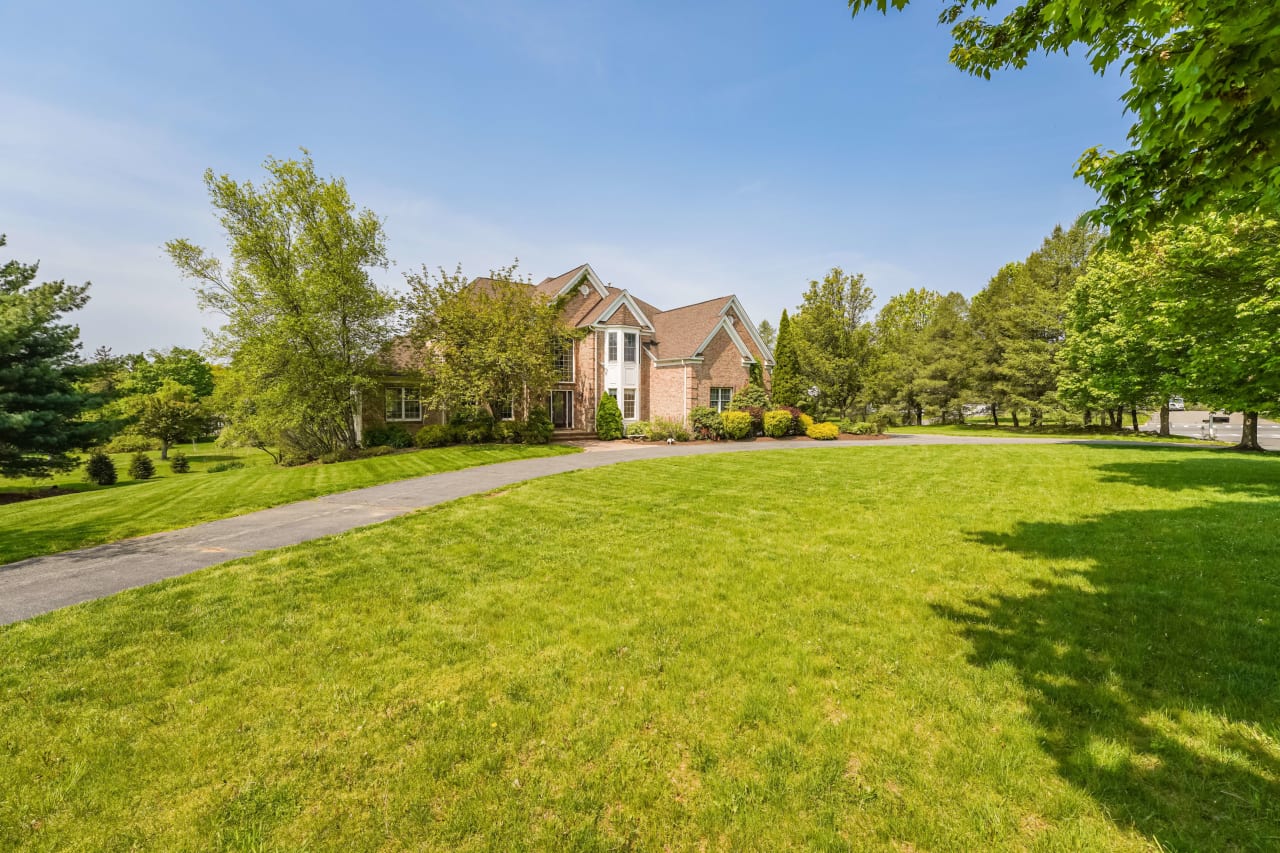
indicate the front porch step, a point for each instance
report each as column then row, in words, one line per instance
column 572, row 435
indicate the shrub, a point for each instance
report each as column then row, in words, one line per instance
column 660, row 429
column 805, row 423
column 179, row 464
column 884, row 420
column 472, row 426
column 795, row 418
column 380, row 450
column 342, row 454
column 608, row 418
column 225, row 466
column 391, row 435
column 129, row 443
column 823, row 432
column 141, row 467
column 737, row 425
column 777, row 423
column 706, row 422
column 751, row 397
column 504, row 432
column 639, row 428
column 434, row 435
column 862, row 428
column 537, row 428
column 100, row 469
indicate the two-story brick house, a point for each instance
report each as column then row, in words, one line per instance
column 656, row 363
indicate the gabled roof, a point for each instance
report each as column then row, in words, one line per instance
column 625, row 299
column 561, row 284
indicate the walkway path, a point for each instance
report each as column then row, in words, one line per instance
column 41, row 584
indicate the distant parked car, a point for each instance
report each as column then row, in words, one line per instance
column 1177, row 404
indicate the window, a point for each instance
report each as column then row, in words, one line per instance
column 612, row 392
column 720, row 398
column 629, row 403
column 613, row 347
column 404, row 403
column 630, row 340
column 504, row 410
column 564, row 361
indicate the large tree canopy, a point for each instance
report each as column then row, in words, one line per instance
column 483, row 343
column 304, row 322
column 41, row 400
column 1204, row 93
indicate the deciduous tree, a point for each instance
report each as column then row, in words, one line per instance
column 1204, row 93
column 303, row 321
column 832, row 339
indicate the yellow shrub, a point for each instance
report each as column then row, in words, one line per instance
column 823, row 432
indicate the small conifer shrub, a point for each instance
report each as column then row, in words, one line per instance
column 100, row 469
column 141, row 467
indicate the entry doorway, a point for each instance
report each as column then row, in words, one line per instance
column 562, row 409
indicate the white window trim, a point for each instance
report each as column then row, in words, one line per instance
column 387, row 389
column 573, row 366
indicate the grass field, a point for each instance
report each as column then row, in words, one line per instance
column 97, row 515
column 910, row 648
column 1052, row 431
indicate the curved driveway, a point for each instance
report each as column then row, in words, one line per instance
column 41, row 584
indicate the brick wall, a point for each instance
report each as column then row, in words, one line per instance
column 721, row 367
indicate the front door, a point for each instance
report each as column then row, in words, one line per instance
column 562, row 409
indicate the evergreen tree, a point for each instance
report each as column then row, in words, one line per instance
column 788, row 386
column 141, row 467
column 608, row 418
column 41, row 398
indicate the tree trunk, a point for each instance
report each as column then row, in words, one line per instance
column 164, row 449
column 1164, row 420
column 1014, row 415
column 1133, row 417
column 995, row 415
column 1249, row 433
column 1088, row 417
column 919, row 415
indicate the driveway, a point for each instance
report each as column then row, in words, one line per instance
column 41, row 584
column 1191, row 423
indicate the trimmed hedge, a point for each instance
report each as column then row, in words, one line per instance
column 823, row 431
column 391, row 435
column 737, row 425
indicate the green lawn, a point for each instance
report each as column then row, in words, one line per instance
column 168, row 501
column 202, row 456
column 1051, row 431
column 898, row 648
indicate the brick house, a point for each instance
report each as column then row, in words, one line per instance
column 656, row 363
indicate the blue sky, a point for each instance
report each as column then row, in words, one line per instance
column 684, row 150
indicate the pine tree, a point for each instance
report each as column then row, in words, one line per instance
column 788, row 384
column 40, row 401
column 141, row 467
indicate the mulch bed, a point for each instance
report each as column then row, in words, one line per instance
column 19, row 497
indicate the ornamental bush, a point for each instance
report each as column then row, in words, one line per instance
column 737, row 425
column 608, row 419
column 660, row 429
column 777, row 423
column 178, row 463
column 472, row 426
column 639, row 428
column 433, row 435
column 805, row 423
column 100, row 469
column 706, row 422
column 823, row 432
column 795, row 418
column 753, row 396
column 391, row 435
column 225, row 466
column 537, row 428
column 504, row 432
column 141, row 467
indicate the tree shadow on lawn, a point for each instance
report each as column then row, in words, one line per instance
column 1153, row 673
column 1223, row 471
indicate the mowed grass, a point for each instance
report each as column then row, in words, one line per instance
column 910, row 648
column 49, row 525
column 980, row 428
